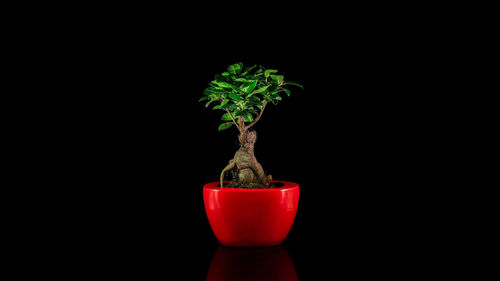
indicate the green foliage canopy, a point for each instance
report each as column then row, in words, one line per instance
column 244, row 93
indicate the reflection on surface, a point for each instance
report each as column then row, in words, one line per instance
column 248, row 264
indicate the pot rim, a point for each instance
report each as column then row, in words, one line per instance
column 288, row 185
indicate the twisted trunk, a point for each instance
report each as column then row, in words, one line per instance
column 246, row 170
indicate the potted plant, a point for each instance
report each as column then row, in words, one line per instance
column 250, row 210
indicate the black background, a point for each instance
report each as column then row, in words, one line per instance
column 139, row 146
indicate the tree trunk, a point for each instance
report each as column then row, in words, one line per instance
column 247, row 171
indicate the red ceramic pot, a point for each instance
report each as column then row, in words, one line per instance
column 251, row 217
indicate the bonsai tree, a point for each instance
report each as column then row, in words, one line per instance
column 243, row 94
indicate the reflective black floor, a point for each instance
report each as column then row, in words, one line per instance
column 257, row 264
column 355, row 256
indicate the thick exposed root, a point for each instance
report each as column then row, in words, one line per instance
column 246, row 170
column 249, row 173
column 229, row 167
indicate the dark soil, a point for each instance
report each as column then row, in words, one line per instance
column 270, row 185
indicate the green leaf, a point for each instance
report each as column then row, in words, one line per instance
column 277, row 78
column 235, row 96
column 252, row 110
column 235, row 68
column 269, row 71
column 209, row 91
column 209, row 102
column 222, row 105
column 226, row 117
column 247, row 116
column 260, row 90
column 224, row 126
column 227, row 85
column 231, row 69
column 225, row 73
column 275, row 92
column 204, row 98
column 223, row 84
column 248, row 69
column 254, row 101
column 240, row 80
column 292, row 83
column 251, row 87
column 252, row 77
column 214, row 89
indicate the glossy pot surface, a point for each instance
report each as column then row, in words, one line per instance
column 251, row 217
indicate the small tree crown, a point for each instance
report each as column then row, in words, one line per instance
column 244, row 93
